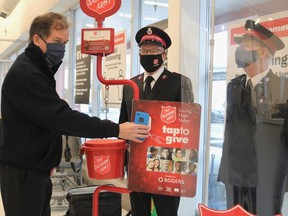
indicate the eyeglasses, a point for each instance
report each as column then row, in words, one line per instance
column 152, row 51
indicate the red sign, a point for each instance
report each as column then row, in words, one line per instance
column 278, row 27
column 236, row 210
column 119, row 39
column 99, row 9
column 166, row 162
column 97, row 40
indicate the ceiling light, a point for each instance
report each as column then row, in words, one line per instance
column 125, row 15
column 156, row 3
column 151, row 19
column 89, row 25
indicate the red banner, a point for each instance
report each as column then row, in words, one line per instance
column 167, row 162
column 278, row 26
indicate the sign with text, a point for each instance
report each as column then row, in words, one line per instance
column 97, row 40
column 114, row 68
column 166, row 163
column 99, row 9
column 83, row 62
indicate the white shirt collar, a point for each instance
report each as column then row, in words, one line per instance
column 256, row 79
column 155, row 75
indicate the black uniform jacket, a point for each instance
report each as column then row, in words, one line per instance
column 266, row 140
column 169, row 87
column 239, row 140
column 35, row 117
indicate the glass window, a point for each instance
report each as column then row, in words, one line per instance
column 216, row 189
column 154, row 11
column 247, row 129
column 121, row 21
column 81, row 20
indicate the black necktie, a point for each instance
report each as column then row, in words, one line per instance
column 246, row 93
column 249, row 84
column 148, row 81
column 253, row 93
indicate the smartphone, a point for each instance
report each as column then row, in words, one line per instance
column 142, row 118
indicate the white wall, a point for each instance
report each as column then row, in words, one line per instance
column 16, row 26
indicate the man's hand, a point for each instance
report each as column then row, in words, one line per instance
column 133, row 132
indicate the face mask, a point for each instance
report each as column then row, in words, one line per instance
column 244, row 57
column 54, row 53
column 151, row 63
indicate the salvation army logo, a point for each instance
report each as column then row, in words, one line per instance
column 100, row 6
column 155, row 62
column 168, row 114
column 102, row 164
column 236, row 210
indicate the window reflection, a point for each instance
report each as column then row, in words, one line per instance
column 269, row 107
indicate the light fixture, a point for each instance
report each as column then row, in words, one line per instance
column 89, row 25
column 150, row 19
column 125, row 15
column 156, row 3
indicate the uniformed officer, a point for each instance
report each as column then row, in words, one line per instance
column 155, row 83
column 254, row 159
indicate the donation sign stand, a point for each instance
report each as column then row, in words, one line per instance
column 105, row 158
column 166, row 163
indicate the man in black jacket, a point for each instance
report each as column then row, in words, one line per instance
column 165, row 86
column 35, row 118
column 255, row 154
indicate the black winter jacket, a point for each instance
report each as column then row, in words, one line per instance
column 35, row 117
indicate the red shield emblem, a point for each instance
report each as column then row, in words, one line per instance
column 99, row 9
column 168, row 114
column 100, row 6
column 155, row 61
column 237, row 210
column 102, row 164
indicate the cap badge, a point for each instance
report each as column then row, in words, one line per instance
column 149, row 31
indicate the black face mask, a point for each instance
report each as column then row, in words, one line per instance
column 244, row 57
column 151, row 63
column 54, row 53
